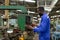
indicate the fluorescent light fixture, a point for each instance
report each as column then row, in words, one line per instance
column 35, row 20
column 34, row 17
column 53, row 16
column 47, row 9
column 9, row 31
column 28, row 1
column 19, row 10
column 30, row 12
column 53, row 3
column 57, row 11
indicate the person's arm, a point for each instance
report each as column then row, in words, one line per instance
column 29, row 26
column 42, row 26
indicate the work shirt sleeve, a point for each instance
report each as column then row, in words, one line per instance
column 42, row 26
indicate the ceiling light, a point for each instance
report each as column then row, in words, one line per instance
column 34, row 17
column 28, row 1
column 53, row 16
column 57, row 11
column 35, row 20
column 19, row 10
column 30, row 12
column 53, row 3
column 47, row 9
column 9, row 31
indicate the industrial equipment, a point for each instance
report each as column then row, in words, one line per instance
column 24, row 11
column 56, row 34
column 21, row 18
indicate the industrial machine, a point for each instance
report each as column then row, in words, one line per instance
column 22, row 20
column 24, row 11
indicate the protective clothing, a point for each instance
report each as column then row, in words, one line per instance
column 44, row 28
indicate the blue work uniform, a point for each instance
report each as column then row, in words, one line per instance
column 44, row 28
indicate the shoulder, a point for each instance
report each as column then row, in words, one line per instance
column 45, row 16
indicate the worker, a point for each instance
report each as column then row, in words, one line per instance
column 44, row 26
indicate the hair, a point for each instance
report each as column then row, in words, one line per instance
column 41, row 8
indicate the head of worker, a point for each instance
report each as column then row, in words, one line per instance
column 40, row 10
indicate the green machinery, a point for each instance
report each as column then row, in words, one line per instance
column 24, row 10
column 21, row 21
column 21, row 17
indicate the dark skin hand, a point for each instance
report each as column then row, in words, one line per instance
column 29, row 27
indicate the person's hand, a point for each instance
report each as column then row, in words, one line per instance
column 29, row 26
column 33, row 25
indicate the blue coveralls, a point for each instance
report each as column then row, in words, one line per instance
column 44, row 28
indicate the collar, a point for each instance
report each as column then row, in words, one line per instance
column 43, row 14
